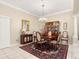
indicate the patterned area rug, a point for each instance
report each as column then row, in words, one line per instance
column 61, row 53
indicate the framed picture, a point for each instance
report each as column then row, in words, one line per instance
column 65, row 26
column 25, row 25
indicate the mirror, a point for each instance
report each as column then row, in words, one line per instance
column 25, row 26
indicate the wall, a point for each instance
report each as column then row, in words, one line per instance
column 76, row 6
column 16, row 17
column 76, row 12
column 64, row 17
column 78, row 26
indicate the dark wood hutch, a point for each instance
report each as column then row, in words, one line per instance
column 52, row 27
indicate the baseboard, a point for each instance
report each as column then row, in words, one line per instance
column 11, row 45
column 15, row 44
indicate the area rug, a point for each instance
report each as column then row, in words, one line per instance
column 60, row 54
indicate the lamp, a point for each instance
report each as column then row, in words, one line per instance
column 42, row 18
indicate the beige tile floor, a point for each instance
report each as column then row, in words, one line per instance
column 16, row 53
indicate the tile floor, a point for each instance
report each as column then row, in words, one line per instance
column 16, row 53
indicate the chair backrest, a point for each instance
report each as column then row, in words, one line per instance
column 34, row 33
column 36, row 36
column 59, row 37
column 65, row 34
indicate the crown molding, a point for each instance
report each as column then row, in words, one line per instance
column 17, row 8
column 60, row 12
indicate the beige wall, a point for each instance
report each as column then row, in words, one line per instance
column 78, row 26
column 16, row 17
column 76, row 6
column 76, row 12
column 64, row 17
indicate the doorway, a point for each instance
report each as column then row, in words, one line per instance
column 4, row 32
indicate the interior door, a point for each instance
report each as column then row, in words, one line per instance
column 4, row 32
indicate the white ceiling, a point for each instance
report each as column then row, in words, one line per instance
column 34, row 6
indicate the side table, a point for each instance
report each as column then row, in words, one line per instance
column 26, row 38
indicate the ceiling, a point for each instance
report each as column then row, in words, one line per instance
column 34, row 6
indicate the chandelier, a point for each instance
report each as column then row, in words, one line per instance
column 43, row 12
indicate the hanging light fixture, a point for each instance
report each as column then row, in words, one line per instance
column 43, row 12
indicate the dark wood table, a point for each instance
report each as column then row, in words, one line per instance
column 46, row 46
